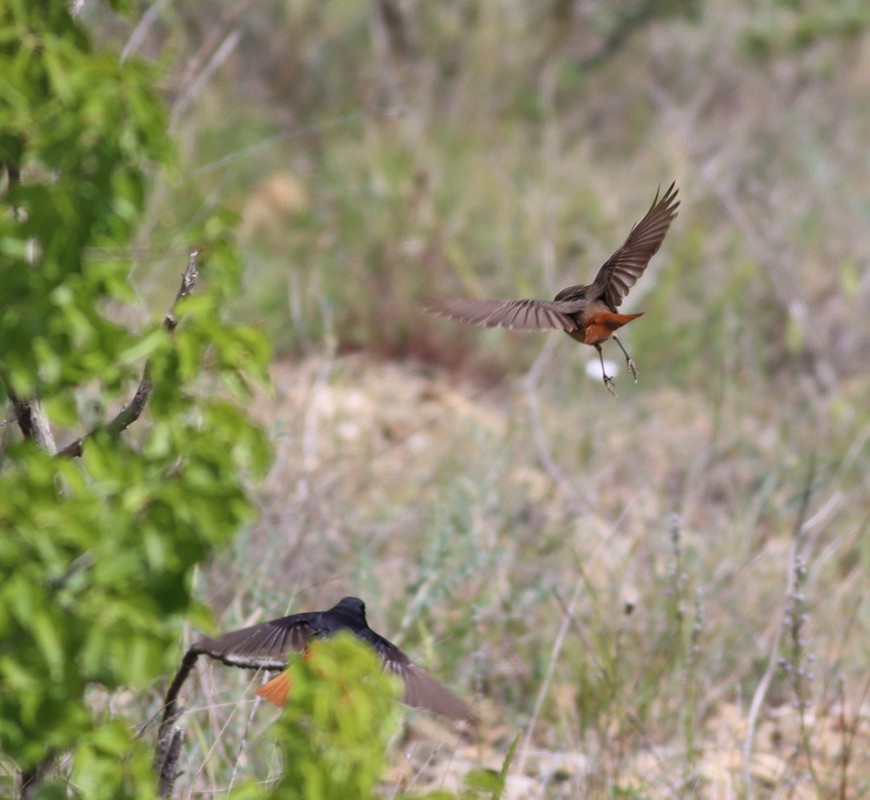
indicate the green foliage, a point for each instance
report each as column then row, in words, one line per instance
column 792, row 26
column 82, row 129
column 491, row 781
column 336, row 726
column 98, row 553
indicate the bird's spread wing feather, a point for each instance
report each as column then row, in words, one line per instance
column 627, row 264
column 421, row 689
column 523, row 315
column 268, row 642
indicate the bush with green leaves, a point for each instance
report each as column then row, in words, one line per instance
column 337, row 724
column 97, row 553
column 335, row 731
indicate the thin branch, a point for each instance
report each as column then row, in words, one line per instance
column 228, row 33
column 133, row 410
column 568, row 618
column 169, row 764
column 171, row 711
column 556, row 649
column 188, row 282
column 141, row 30
column 171, row 738
column 244, row 738
column 32, row 422
column 31, row 778
column 773, row 660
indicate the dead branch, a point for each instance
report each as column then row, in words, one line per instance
column 169, row 737
column 169, row 764
column 133, row 410
column 171, row 709
column 32, row 422
column 31, row 778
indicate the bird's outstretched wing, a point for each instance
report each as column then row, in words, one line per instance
column 521, row 315
column 421, row 689
column 266, row 644
column 621, row 271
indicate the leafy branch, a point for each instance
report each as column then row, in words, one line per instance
column 133, row 410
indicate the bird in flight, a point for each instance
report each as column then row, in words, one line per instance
column 586, row 313
column 266, row 646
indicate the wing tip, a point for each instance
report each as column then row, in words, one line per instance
column 668, row 198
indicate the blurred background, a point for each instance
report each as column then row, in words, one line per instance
column 615, row 579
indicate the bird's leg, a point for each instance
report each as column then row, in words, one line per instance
column 608, row 381
column 629, row 361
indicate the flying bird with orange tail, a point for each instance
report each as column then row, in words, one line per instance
column 586, row 313
column 266, row 646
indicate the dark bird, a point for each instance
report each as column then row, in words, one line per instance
column 586, row 313
column 266, row 646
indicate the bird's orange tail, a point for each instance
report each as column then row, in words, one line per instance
column 602, row 325
column 276, row 690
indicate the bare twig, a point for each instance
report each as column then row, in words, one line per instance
column 773, row 660
column 170, row 738
column 141, row 30
column 567, row 619
column 31, row 778
column 211, row 56
column 558, row 642
column 169, row 763
column 171, row 710
column 32, row 422
column 188, row 282
column 133, row 410
column 244, row 738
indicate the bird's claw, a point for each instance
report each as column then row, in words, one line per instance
column 632, row 368
column 608, row 382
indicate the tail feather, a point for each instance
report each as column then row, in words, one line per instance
column 601, row 326
column 276, row 690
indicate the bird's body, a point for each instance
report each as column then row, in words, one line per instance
column 266, row 645
column 587, row 313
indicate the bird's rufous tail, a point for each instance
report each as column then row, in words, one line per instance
column 276, row 690
column 601, row 326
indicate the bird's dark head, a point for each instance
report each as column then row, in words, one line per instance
column 351, row 606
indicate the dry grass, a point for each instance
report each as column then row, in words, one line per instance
column 430, row 499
